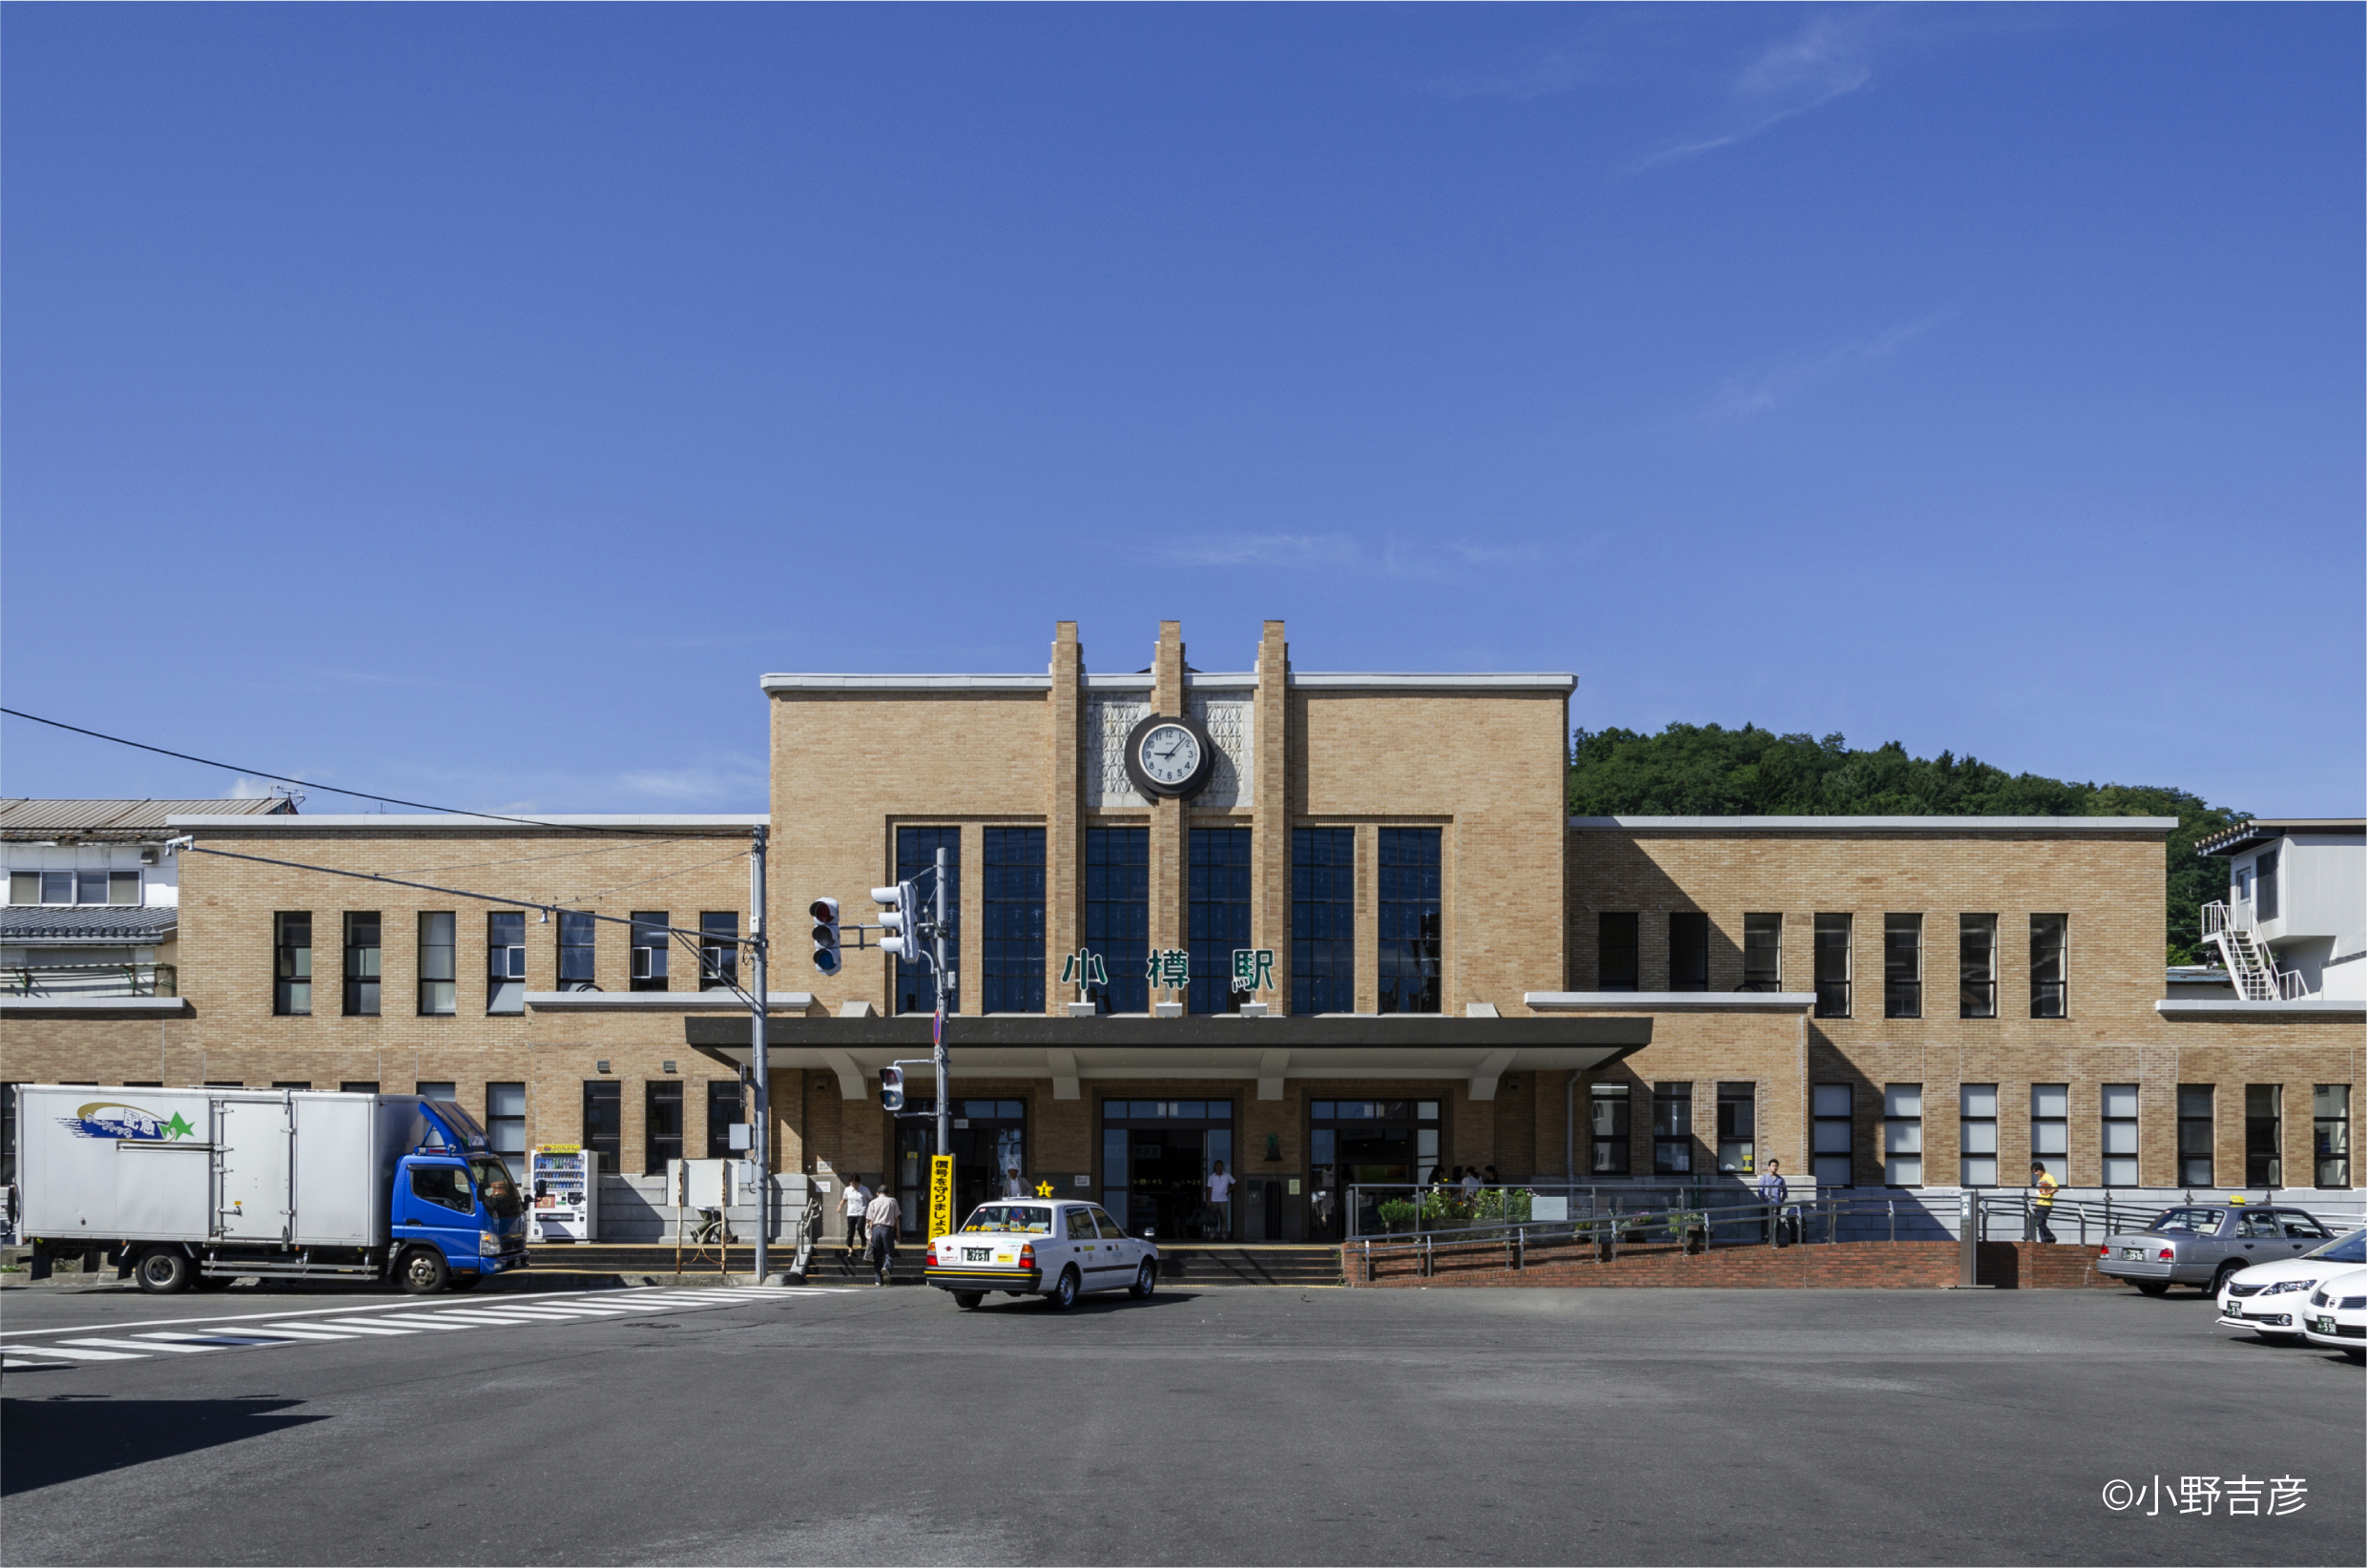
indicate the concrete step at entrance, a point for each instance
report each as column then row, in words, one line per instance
column 1250, row 1264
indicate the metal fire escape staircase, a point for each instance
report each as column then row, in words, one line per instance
column 2251, row 964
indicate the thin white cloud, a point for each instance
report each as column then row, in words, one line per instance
column 1269, row 549
column 1831, row 57
column 1394, row 555
column 1747, row 394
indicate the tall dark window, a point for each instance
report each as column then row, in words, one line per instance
column 1762, row 952
column 504, row 1125
column 1737, row 1129
column 661, row 1125
column 291, row 991
column 2047, row 966
column 1833, row 965
column 1219, row 917
column 2265, row 886
column 2194, row 1137
column 604, row 1121
column 505, row 961
column 723, row 1113
column 1117, row 914
column 1616, row 965
column 1013, row 974
column 718, row 949
column 1410, row 923
column 649, row 940
column 1832, row 1130
column 915, row 862
column 438, row 979
column 1322, row 920
column 1975, row 966
column 362, row 951
column 1902, row 967
column 578, row 952
column 2263, row 1135
column 2330, row 1108
column 1607, row 1120
column 1672, row 1128
column 7, row 1135
column 1689, row 951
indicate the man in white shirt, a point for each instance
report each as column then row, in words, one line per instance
column 1220, row 1195
column 1013, row 1185
column 858, row 1199
column 883, row 1216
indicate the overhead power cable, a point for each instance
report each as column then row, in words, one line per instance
column 331, row 788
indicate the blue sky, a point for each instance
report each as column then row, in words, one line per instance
column 470, row 404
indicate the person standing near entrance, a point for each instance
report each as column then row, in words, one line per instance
column 1220, row 1196
column 1013, row 1185
column 858, row 1198
column 883, row 1216
column 2043, row 1185
column 1773, row 1192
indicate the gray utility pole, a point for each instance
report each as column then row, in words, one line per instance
column 944, row 984
column 760, row 1114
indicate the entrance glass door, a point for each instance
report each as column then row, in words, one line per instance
column 1156, row 1159
column 1367, row 1144
column 989, row 1141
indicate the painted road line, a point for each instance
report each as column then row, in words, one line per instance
column 86, row 1356
column 481, row 1320
column 422, row 1321
column 223, row 1342
column 136, row 1344
column 13, row 1336
column 251, row 1333
column 346, row 1327
column 29, row 1366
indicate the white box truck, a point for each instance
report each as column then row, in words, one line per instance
column 183, row 1187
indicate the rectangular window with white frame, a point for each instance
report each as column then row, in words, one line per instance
column 504, row 1125
column 438, row 993
column 2051, row 1128
column 2120, row 1135
column 74, row 887
column 505, row 961
column 1976, row 1134
column 1834, row 1149
column 1903, row 1135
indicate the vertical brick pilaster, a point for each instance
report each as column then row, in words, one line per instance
column 1170, row 848
column 1270, row 841
column 1064, row 817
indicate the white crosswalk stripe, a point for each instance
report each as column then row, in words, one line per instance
column 250, row 1330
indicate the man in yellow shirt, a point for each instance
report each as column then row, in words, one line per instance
column 2043, row 1201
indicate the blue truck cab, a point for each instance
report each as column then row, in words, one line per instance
column 455, row 1214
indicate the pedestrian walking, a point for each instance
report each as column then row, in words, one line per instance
column 857, row 1199
column 883, row 1216
column 2043, row 1185
column 1221, row 1198
column 1773, row 1192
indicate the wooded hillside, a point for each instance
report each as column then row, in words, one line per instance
column 1706, row 770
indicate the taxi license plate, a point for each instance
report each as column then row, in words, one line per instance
column 978, row 1254
column 2133, row 1251
column 2323, row 1325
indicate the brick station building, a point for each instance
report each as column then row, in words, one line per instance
column 1462, row 975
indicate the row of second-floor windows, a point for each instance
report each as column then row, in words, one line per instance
column 73, row 887
column 442, row 989
column 1118, row 977
column 1833, row 958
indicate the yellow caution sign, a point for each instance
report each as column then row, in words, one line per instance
column 941, row 1195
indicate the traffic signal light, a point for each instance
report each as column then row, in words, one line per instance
column 899, row 915
column 825, row 913
column 891, row 1089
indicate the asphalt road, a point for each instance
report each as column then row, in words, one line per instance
column 1227, row 1426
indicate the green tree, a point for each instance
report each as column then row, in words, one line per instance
column 1706, row 770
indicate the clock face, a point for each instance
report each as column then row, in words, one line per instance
column 1169, row 755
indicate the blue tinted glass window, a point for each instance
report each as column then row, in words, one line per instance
column 1219, row 916
column 916, row 861
column 1322, row 920
column 1013, row 975
column 1409, row 919
column 1117, row 914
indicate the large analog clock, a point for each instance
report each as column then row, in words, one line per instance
column 1168, row 756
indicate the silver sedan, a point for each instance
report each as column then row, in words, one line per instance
column 2203, row 1245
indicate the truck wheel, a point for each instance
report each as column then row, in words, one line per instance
column 164, row 1273
column 1064, row 1293
column 423, row 1272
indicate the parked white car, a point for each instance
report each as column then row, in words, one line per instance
column 2336, row 1315
column 2270, row 1298
column 1058, row 1251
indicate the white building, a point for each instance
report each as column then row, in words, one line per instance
column 94, row 894
column 2294, row 927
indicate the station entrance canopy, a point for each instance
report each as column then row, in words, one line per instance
column 1477, row 1051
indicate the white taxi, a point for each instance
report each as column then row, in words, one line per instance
column 1041, row 1246
column 2336, row 1315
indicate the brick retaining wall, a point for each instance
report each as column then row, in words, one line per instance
column 1899, row 1266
